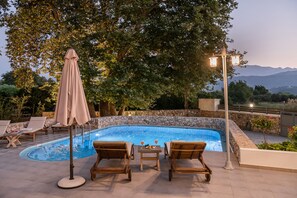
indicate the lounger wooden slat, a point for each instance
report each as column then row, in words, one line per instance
column 35, row 124
column 178, row 150
column 123, row 151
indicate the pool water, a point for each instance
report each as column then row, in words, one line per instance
column 58, row 150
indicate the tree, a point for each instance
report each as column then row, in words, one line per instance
column 261, row 94
column 260, row 90
column 264, row 124
column 185, row 32
column 168, row 102
column 131, row 52
column 8, row 78
column 19, row 102
column 41, row 93
column 281, row 97
column 8, row 90
column 6, row 105
column 240, row 92
column 107, row 37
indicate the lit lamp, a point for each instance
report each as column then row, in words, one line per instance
column 251, row 106
column 235, row 60
column 213, row 63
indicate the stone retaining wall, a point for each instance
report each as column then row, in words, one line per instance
column 237, row 136
column 242, row 119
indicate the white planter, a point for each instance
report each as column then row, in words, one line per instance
column 268, row 158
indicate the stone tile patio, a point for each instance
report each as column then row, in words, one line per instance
column 30, row 179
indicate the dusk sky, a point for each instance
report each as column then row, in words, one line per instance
column 266, row 29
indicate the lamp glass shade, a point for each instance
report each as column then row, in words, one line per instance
column 213, row 61
column 235, row 60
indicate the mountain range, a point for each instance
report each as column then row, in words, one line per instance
column 255, row 70
column 274, row 79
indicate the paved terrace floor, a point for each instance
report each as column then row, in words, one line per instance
column 31, row 179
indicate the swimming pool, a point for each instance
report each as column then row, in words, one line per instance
column 58, row 150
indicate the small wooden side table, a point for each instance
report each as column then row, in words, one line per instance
column 152, row 150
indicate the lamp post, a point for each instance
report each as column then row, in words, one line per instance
column 213, row 63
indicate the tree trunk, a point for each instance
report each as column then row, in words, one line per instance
column 186, row 101
column 92, row 109
column 112, row 109
column 122, row 110
column 104, row 109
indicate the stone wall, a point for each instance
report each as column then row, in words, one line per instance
column 242, row 119
column 238, row 139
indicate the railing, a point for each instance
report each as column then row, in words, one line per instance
column 253, row 109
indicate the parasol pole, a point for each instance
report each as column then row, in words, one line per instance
column 72, row 181
column 71, row 152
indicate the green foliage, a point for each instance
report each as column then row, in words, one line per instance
column 7, row 78
column 261, row 94
column 19, row 104
column 40, row 109
column 131, row 52
column 6, row 106
column 293, row 135
column 281, row 97
column 287, row 145
column 168, row 102
column 264, row 124
column 284, row 146
column 10, row 97
column 24, row 78
column 239, row 92
column 8, row 90
column 260, row 90
column 214, row 94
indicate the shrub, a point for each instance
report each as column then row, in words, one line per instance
column 284, row 146
column 293, row 135
column 264, row 124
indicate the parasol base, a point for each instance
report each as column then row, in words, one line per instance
column 67, row 183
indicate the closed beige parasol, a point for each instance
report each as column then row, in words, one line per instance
column 71, row 109
column 71, row 104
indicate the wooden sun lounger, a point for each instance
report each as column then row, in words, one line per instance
column 12, row 138
column 113, row 150
column 35, row 124
column 186, row 151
